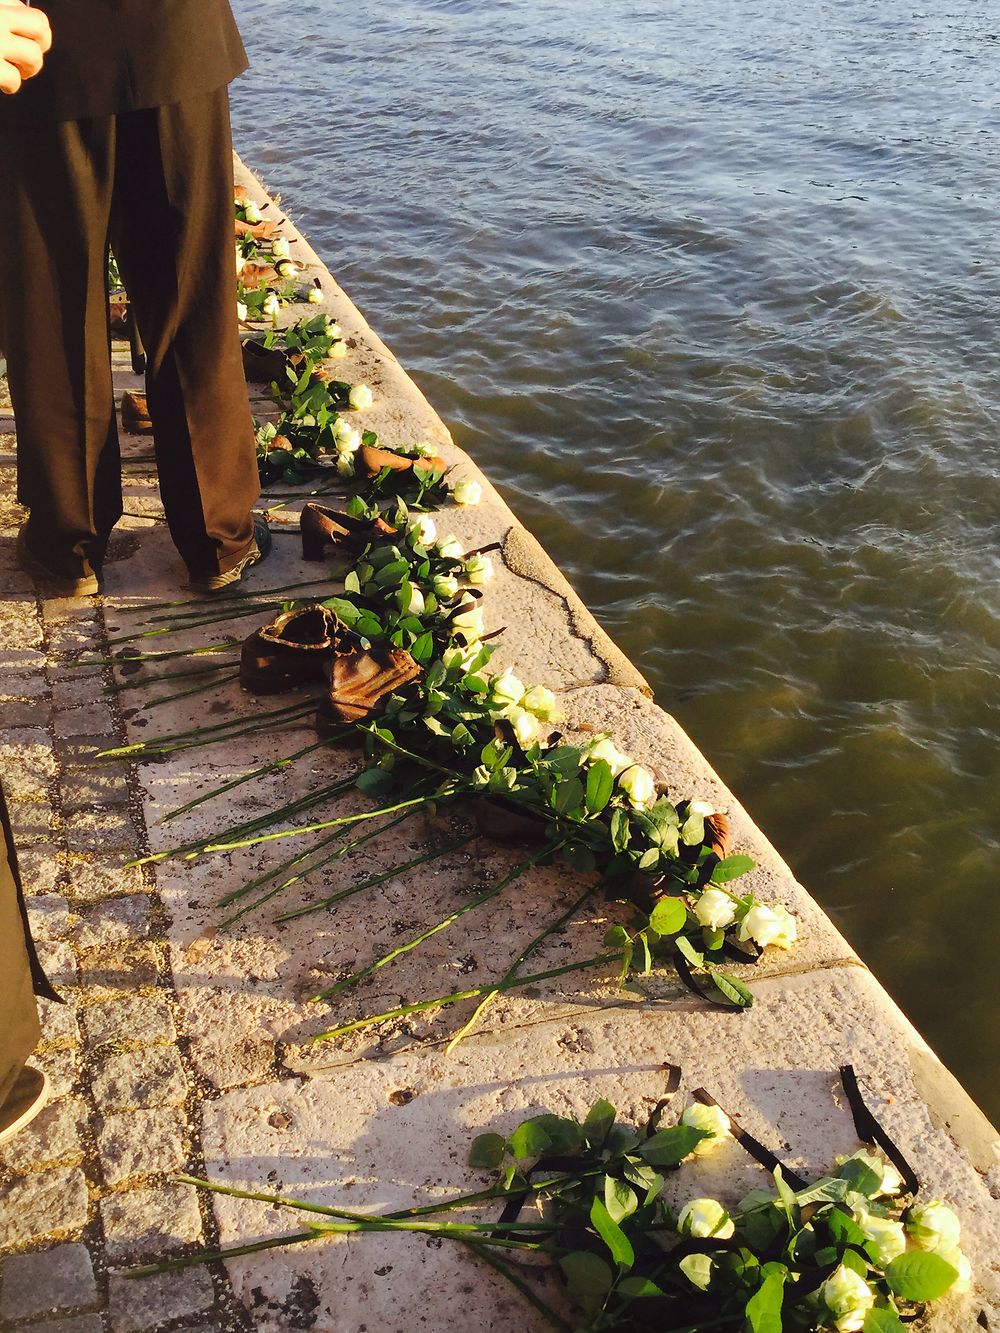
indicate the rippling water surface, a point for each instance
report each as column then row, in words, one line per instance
column 713, row 294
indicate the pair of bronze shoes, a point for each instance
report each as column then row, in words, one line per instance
column 343, row 533
column 308, row 645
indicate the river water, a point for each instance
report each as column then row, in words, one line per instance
column 712, row 292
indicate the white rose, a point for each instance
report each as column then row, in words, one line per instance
column 892, row 1181
column 459, row 659
column 933, row 1226
column 639, row 786
column 467, row 492
column 961, row 1266
column 251, row 213
column 241, row 261
column 479, row 570
column 542, row 702
column 769, row 925
column 713, row 1120
column 423, row 529
column 416, row 605
column 342, row 429
column 360, row 397
column 280, row 248
column 338, row 351
column 333, row 329
column 697, row 1268
column 286, row 268
column 347, row 443
column 715, row 909
column 705, row 1217
column 315, row 295
column 702, row 808
column 607, row 750
column 848, row 1298
column 887, row 1236
column 424, row 449
column 468, row 623
column 272, row 306
column 525, row 726
column 345, row 465
column 450, row 548
column 445, row 587
column 505, row 691
column 241, row 311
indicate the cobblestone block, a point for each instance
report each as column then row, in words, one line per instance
column 102, row 831
column 145, row 1223
column 59, row 1022
column 53, row 1138
column 47, row 1282
column 74, row 689
column 95, row 786
column 136, row 1307
column 31, row 685
column 82, row 721
column 121, row 968
column 58, row 962
column 138, row 1143
column 32, row 821
column 92, row 881
column 29, row 763
column 21, row 626
column 87, row 1323
column 24, row 712
column 62, row 1067
column 146, row 1078
column 115, row 921
column 40, row 865
column 142, row 1019
column 48, row 914
column 81, row 751
column 42, row 1203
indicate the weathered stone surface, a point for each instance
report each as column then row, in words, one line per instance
column 62, row 1065
column 97, row 786
column 53, row 1138
column 135, row 1307
column 41, row 1204
column 146, row 1078
column 127, row 967
column 48, row 914
column 139, row 1143
column 104, row 831
column 59, row 1021
column 41, row 868
column 47, row 1282
column 91, row 880
column 145, row 1223
column 88, row 1323
column 114, row 921
column 82, row 721
column 137, row 1019
column 58, row 961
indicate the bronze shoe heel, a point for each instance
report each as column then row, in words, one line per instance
column 321, row 527
column 135, row 413
column 360, row 686
column 263, row 365
column 291, row 651
column 371, row 460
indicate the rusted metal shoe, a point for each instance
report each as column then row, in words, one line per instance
column 370, row 460
column 348, row 536
column 292, row 650
column 263, row 365
column 135, row 413
column 360, row 685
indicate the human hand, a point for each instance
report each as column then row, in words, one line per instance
column 25, row 36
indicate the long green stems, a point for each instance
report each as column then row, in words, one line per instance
column 380, row 878
column 120, row 686
column 449, row 920
column 186, row 694
column 515, row 967
column 459, row 995
column 515, row 1279
column 247, row 777
column 218, row 618
column 156, row 743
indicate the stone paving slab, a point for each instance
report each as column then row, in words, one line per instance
column 186, row 1047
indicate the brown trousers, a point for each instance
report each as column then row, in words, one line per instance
column 158, row 185
column 21, row 976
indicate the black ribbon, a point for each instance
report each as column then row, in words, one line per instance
column 870, row 1131
column 753, row 1146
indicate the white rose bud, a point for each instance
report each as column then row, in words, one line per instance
column 848, row 1298
column 468, row 623
column 768, row 925
column 506, row 691
column 272, row 306
column 639, row 786
column 887, row 1236
column 251, row 213
column 415, row 607
column 467, row 492
column 445, row 587
column 542, row 702
column 450, row 548
column 423, row 529
column 342, row 429
column 280, row 248
column 345, row 465
column 338, row 351
column 348, row 444
column 697, row 1268
column 286, row 268
column 333, row 329
column 525, row 726
column 315, row 295
column 360, row 397
column 458, row 659
column 424, row 449
column 705, row 1217
column 702, row 808
column 713, row 1120
column 715, row 909
column 241, row 261
column 607, row 750
column 933, row 1226
column 479, row 570
column 961, row 1266
column 241, row 311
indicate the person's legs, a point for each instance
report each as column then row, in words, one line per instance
column 172, row 233
column 54, row 331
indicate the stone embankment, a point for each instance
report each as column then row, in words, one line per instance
column 186, row 1048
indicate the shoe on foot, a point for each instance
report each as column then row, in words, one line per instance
column 26, row 1098
column 259, row 550
column 135, row 413
column 56, row 584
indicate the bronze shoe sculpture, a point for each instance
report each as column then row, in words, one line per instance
column 370, row 460
column 263, row 365
column 292, row 650
column 361, row 683
column 135, row 413
column 349, row 536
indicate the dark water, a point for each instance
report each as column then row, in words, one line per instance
column 713, row 293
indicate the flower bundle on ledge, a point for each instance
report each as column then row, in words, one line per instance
column 849, row 1253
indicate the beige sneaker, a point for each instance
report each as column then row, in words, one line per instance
column 209, row 583
column 55, row 584
column 26, row 1098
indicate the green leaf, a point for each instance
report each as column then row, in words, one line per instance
column 684, row 946
column 843, row 1229
column 763, row 1310
column 733, row 991
column 423, row 649
column 667, row 1147
column 851, row 1259
column 693, row 831
column 860, row 1177
column 619, row 1199
column 635, row 1288
column 487, row 1151
column 600, row 785
column 621, row 831
column 589, row 1280
column 565, row 1135
column 731, row 868
column 580, row 857
column 920, row 1276
column 762, row 1226
column 567, row 796
column 598, row 1122
column 615, row 936
column 883, row 1321
column 668, row 916
column 612, row 1235
column 529, row 1140
column 352, row 583
column 650, row 859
